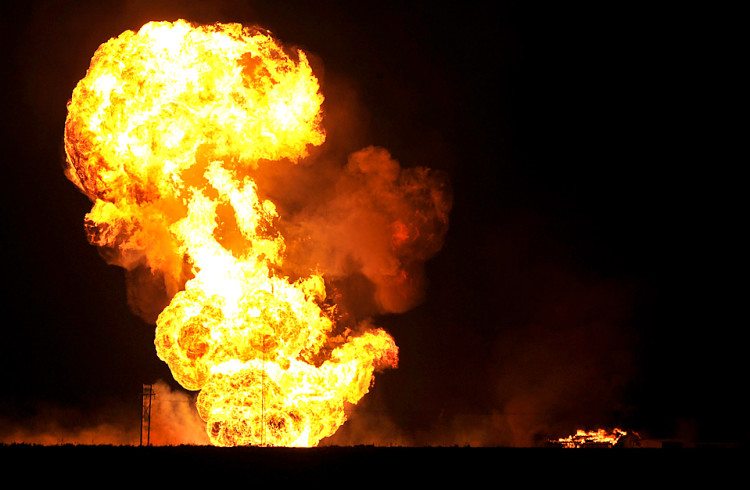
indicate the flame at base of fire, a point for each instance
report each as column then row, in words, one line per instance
column 591, row 438
column 163, row 135
column 259, row 403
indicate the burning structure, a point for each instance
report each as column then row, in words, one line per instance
column 167, row 135
column 600, row 438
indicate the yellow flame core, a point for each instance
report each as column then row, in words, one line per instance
column 600, row 437
column 157, row 134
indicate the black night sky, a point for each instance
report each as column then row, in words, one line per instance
column 590, row 274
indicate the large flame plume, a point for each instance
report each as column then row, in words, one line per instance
column 163, row 135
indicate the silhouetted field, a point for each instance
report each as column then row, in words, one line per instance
column 367, row 465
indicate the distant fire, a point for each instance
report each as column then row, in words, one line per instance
column 591, row 438
column 165, row 135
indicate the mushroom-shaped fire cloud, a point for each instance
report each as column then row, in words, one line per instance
column 164, row 135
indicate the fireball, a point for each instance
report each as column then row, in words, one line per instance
column 162, row 135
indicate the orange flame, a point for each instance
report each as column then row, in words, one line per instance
column 600, row 437
column 162, row 135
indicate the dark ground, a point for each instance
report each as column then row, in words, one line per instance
column 366, row 466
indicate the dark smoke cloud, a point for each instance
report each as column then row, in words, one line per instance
column 372, row 233
column 147, row 295
column 370, row 424
column 555, row 353
column 568, row 368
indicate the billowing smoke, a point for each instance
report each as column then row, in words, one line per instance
column 377, row 266
column 174, row 421
column 556, row 353
column 187, row 139
column 367, row 226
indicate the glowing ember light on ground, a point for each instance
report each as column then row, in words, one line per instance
column 599, row 437
column 163, row 135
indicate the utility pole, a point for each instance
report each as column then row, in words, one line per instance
column 263, row 396
column 147, row 395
